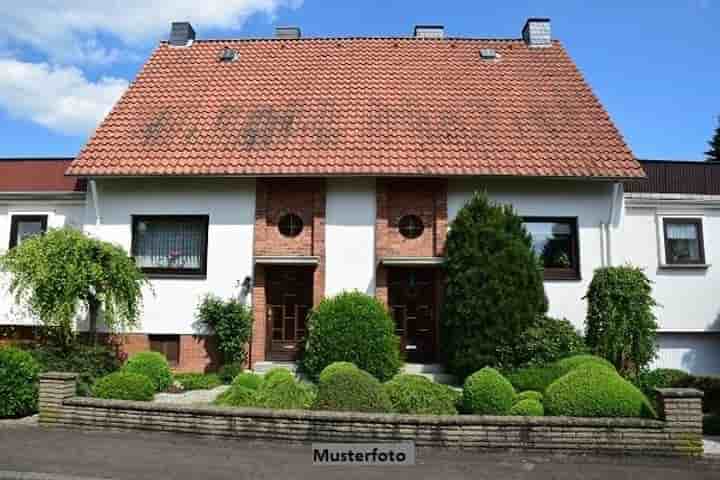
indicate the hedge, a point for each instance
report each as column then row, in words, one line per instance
column 529, row 395
column 124, row 385
column 710, row 385
column 154, row 366
column 487, row 392
column 352, row 390
column 527, row 408
column 535, row 378
column 416, row 394
column 18, row 382
column 596, row 391
column 571, row 363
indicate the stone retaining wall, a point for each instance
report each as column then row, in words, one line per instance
column 678, row 433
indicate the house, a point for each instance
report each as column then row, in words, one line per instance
column 284, row 170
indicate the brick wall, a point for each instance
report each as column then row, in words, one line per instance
column 678, row 434
column 274, row 198
column 198, row 353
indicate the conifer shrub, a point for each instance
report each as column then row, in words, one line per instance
column 352, row 390
column 419, row 395
column 494, row 289
column 535, row 378
column 154, row 366
column 487, row 392
column 281, row 392
column 335, row 367
column 123, row 385
column 236, row 396
column 229, row 371
column 571, row 363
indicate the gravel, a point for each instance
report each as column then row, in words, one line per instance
column 192, row 397
column 712, row 445
column 30, row 421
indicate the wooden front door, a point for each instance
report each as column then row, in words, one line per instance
column 289, row 294
column 411, row 293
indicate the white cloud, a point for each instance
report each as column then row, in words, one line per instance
column 60, row 98
column 72, row 31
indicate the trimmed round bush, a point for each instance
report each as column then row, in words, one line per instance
column 277, row 373
column 335, row 367
column 419, row 395
column 18, row 382
column 248, row 380
column 571, row 363
column 154, row 366
column 198, row 381
column 236, row 396
column 352, row 390
column 352, row 327
column 229, row 371
column 284, row 393
column 124, row 386
column 527, row 408
column 596, row 391
column 487, row 392
column 535, row 378
column 529, row 395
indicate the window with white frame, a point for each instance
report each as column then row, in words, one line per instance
column 171, row 244
column 683, row 241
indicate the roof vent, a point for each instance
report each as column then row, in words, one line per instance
column 181, row 34
column 228, row 55
column 429, row 31
column 488, row 54
column 287, row 33
column 536, row 32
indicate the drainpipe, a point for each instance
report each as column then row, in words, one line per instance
column 610, row 227
column 96, row 202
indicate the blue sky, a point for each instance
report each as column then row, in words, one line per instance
column 653, row 64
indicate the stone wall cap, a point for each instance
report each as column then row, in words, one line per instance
column 680, row 392
column 58, row 376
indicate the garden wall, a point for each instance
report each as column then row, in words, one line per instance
column 679, row 433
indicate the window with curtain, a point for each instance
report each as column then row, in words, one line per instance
column 171, row 244
column 683, row 241
column 555, row 241
column 25, row 226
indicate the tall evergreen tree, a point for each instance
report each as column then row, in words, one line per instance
column 713, row 155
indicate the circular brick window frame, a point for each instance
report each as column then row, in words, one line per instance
column 290, row 225
column 411, row 226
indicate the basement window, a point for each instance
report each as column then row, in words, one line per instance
column 555, row 241
column 684, row 241
column 168, row 346
column 170, row 244
column 23, row 227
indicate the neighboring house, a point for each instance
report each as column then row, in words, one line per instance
column 284, row 170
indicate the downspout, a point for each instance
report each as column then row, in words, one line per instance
column 610, row 226
column 96, row 202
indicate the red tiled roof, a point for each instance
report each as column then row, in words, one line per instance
column 382, row 106
column 37, row 175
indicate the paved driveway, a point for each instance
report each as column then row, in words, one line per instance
column 157, row 456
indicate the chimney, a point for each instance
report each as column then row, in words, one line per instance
column 287, row 33
column 536, row 32
column 429, row 31
column 181, row 34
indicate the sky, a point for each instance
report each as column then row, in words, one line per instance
column 653, row 64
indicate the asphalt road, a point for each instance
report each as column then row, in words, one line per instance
column 77, row 454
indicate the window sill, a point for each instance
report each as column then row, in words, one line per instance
column 175, row 276
column 685, row 266
column 575, row 278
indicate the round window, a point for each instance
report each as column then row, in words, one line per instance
column 290, row 225
column 411, row 226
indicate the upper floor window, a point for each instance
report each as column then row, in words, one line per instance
column 411, row 226
column 290, row 225
column 171, row 244
column 684, row 241
column 25, row 226
column 555, row 241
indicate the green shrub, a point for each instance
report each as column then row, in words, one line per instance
column 596, row 391
column 335, row 367
column 229, row 371
column 352, row 327
column 571, row 363
column 249, row 380
column 648, row 380
column 124, row 385
column 527, row 408
column 710, row 385
column 711, row 424
column 620, row 323
column 545, row 341
column 535, row 378
column 284, row 393
column 90, row 362
column 236, row 396
column 487, row 392
column 154, row 366
column 198, row 381
column 18, row 382
column 529, row 395
column 277, row 373
column 418, row 395
column 352, row 390
column 231, row 322
column 494, row 287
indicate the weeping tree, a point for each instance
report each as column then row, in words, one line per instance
column 59, row 274
column 494, row 289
